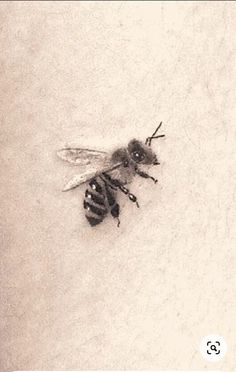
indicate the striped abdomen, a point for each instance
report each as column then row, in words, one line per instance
column 99, row 200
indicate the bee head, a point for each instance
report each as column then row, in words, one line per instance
column 141, row 153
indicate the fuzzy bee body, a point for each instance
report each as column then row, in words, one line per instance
column 106, row 174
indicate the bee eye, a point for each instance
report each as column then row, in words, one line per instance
column 137, row 156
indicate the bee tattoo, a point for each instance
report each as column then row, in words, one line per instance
column 105, row 174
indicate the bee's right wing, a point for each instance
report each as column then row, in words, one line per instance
column 87, row 175
column 95, row 162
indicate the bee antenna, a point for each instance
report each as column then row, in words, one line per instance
column 149, row 139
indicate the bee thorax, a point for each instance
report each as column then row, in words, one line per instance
column 120, row 155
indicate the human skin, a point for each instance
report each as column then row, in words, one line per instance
column 95, row 75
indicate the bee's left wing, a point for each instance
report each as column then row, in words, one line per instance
column 94, row 163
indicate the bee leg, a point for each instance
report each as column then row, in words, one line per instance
column 118, row 222
column 114, row 183
column 131, row 197
column 115, row 212
column 145, row 175
column 107, row 184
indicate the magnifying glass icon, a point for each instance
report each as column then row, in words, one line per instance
column 213, row 348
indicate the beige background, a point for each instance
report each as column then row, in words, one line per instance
column 97, row 74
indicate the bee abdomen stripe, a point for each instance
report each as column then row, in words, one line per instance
column 95, row 186
column 96, row 198
column 96, row 210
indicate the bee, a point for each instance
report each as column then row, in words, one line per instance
column 106, row 174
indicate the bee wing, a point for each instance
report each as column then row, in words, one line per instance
column 78, row 179
column 94, row 162
column 91, row 170
column 77, row 156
